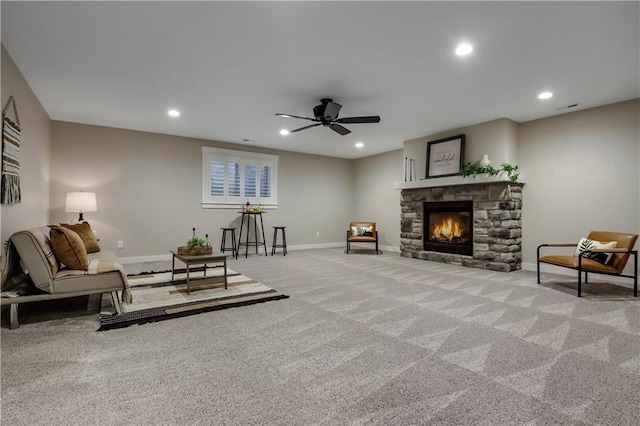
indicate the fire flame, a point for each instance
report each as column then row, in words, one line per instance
column 448, row 229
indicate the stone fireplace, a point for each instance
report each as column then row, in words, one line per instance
column 477, row 225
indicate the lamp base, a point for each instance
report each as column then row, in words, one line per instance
column 81, row 217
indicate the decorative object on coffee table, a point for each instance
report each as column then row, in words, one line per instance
column 196, row 245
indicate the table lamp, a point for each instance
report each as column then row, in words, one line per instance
column 81, row 202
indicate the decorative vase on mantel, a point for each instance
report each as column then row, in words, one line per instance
column 484, row 161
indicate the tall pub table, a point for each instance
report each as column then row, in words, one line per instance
column 256, row 243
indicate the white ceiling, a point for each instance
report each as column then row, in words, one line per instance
column 230, row 66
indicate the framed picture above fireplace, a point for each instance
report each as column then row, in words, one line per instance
column 444, row 156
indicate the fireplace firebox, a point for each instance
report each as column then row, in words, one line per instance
column 448, row 227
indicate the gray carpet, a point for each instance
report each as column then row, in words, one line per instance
column 363, row 339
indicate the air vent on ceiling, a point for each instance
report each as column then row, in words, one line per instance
column 569, row 106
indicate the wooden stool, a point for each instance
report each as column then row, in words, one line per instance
column 275, row 240
column 223, row 246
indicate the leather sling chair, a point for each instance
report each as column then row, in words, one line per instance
column 582, row 263
column 362, row 232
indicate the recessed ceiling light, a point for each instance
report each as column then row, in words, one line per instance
column 284, row 132
column 545, row 95
column 174, row 113
column 359, row 145
column 464, row 49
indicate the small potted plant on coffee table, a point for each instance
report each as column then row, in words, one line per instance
column 196, row 245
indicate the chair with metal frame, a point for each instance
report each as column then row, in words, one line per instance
column 362, row 232
column 582, row 263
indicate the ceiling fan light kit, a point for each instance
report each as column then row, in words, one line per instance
column 326, row 114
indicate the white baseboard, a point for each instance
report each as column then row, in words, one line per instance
column 551, row 269
column 165, row 257
column 393, row 249
column 143, row 259
column 315, row 246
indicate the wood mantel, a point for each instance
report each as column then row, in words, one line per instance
column 452, row 181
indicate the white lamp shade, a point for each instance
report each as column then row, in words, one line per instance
column 80, row 202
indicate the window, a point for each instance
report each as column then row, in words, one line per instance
column 230, row 178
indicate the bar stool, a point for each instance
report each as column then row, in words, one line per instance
column 223, row 246
column 275, row 240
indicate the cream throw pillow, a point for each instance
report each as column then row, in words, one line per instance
column 586, row 244
column 68, row 248
column 86, row 234
column 362, row 231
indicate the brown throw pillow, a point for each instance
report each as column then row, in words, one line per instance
column 68, row 247
column 86, row 234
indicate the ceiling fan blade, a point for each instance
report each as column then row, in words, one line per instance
column 305, row 127
column 279, row 114
column 339, row 129
column 355, row 120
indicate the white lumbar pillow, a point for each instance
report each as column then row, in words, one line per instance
column 362, row 231
column 586, row 244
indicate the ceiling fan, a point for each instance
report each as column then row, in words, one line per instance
column 326, row 114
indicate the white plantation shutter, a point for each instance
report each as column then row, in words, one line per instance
column 250, row 180
column 265, row 181
column 230, row 178
column 216, row 178
column 233, row 178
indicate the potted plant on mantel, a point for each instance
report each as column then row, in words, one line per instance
column 196, row 245
column 475, row 169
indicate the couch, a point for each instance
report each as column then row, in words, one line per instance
column 32, row 272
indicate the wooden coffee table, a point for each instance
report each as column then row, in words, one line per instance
column 199, row 259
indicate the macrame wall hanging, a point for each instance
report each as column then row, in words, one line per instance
column 10, row 185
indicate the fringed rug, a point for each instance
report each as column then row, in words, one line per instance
column 157, row 298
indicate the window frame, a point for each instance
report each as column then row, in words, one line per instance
column 243, row 159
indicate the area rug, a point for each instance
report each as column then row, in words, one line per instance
column 156, row 297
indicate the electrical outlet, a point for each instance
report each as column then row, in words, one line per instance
column 317, row 234
column 120, row 244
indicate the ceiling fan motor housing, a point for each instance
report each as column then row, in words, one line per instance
column 327, row 111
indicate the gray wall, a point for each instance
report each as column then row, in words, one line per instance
column 374, row 197
column 496, row 138
column 35, row 150
column 582, row 174
column 149, row 190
